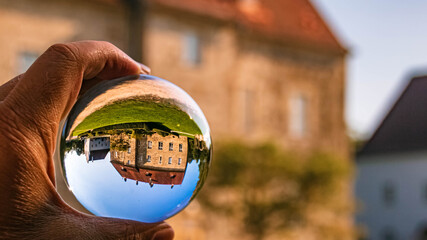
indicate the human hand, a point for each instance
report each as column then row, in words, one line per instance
column 31, row 108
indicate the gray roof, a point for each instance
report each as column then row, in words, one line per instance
column 405, row 126
column 98, row 154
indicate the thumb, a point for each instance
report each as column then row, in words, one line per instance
column 37, row 101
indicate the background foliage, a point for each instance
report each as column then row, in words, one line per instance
column 269, row 189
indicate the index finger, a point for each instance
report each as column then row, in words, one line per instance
column 51, row 85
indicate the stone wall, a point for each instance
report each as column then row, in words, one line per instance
column 125, row 157
column 155, row 153
column 234, row 66
column 28, row 26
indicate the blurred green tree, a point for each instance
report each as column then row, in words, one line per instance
column 271, row 188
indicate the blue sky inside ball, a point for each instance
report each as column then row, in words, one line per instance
column 103, row 191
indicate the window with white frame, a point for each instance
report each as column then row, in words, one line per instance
column 170, row 160
column 149, row 144
column 191, row 50
column 160, row 145
column 180, row 147
column 148, row 158
column 170, row 146
column 298, row 115
column 25, row 60
column 160, row 160
column 179, row 161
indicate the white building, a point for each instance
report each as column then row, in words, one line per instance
column 96, row 148
column 391, row 184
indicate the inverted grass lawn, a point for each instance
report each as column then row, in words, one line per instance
column 132, row 111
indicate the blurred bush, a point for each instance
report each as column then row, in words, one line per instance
column 268, row 189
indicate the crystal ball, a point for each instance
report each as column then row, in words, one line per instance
column 137, row 148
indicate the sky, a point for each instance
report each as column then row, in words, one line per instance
column 388, row 45
column 100, row 188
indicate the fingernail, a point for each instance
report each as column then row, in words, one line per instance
column 144, row 69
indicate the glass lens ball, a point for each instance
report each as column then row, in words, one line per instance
column 136, row 148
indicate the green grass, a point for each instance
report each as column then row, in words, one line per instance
column 133, row 111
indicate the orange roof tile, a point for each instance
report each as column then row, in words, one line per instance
column 291, row 21
column 149, row 175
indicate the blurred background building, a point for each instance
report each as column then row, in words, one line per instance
column 391, row 181
column 258, row 69
column 261, row 70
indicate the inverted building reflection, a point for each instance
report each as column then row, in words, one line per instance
column 96, row 148
column 154, row 159
column 144, row 154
